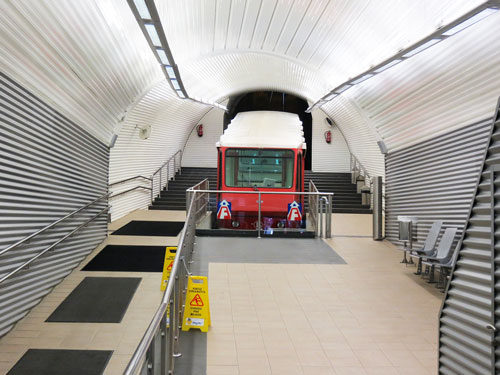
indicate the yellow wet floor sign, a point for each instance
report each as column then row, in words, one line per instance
column 197, row 310
column 167, row 265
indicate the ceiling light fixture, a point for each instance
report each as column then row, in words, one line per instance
column 477, row 14
column 147, row 17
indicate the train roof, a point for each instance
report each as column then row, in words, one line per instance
column 264, row 129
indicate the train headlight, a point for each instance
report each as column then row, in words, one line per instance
column 281, row 224
column 235, row 224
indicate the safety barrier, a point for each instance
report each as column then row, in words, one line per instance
column 320, row 206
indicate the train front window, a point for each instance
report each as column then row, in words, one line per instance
column 259, row 168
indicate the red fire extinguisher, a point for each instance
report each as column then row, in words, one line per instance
column 199, row 130
column 328, row 136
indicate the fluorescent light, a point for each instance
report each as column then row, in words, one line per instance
column 180, row 93
column 343, row 88
column 470, row 21
column 422, row 47
column 388, row 65
column 142, row 8
column 170, row 71
column 363, row 78
column 330, row 97
column 175, row 84
column 163, row 57
column 153, row 34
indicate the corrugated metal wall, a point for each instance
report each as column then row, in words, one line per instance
column 50, row 167
column 434, row 180
column 466, row 344
column 171, row 119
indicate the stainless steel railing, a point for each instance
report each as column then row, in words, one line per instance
column 321, row 208
column 159, row 346
column 357, row 169
column 57, row 242
column 158, row 180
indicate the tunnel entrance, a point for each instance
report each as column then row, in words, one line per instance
column 273, row 101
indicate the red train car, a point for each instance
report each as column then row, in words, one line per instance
column 261, row 151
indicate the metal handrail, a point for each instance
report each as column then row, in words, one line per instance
column 129, row 179
column 354, row 161
column 53, row 224
column 158, row 323
column 31, row 260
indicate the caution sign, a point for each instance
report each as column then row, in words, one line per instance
column 197, row 310
column 167, row 265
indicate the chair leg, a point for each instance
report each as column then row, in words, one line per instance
column 419, row 267
column 431, row 275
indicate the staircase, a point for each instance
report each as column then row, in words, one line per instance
column 175, row 197
column 345, row 200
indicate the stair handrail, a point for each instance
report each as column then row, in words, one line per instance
column 53, row 224
column 177, row 167
column 357, row 166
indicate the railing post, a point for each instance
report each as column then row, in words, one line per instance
column 377, row 209
column 328, row 233
column 180, row 161
column 173, row 176
column 160, row 179
column 171, row 337
column 168, row 175
column 258, row 219
column 163, row 345
column 152, row 187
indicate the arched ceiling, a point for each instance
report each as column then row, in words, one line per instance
column 90, row 60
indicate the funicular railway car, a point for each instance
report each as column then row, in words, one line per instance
column 261, row 151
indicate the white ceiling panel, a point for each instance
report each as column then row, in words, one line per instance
column 267, row 9
column 222, row 75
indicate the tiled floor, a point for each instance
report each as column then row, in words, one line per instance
column 371, row 316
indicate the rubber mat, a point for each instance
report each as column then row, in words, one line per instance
column 62, row 362
column 150, row 228
column 128, row 259
column 97, row 300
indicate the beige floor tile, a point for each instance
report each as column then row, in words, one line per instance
column 350, row 370
column 223, row 370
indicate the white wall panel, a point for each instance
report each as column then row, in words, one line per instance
column 201, row 151
column 359, row 136
column 328, row 157
column 171, row 119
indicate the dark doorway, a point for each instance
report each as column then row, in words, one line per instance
column 273, row 101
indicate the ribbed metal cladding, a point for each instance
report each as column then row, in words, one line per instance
column 435, row 180
column 49, row 168
column 466, row 345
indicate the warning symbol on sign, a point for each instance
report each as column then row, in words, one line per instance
column 167, row 265
column 197, row 311
column 197, row 301
column 169, row 268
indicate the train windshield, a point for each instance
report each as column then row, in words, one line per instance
column 259, row 168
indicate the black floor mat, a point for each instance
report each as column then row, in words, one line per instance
column 62, row 362
column 128, row 259
column 97, row 300
column 150, row 228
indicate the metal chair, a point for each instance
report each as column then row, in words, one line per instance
column 443, row 253
column 429, row 247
